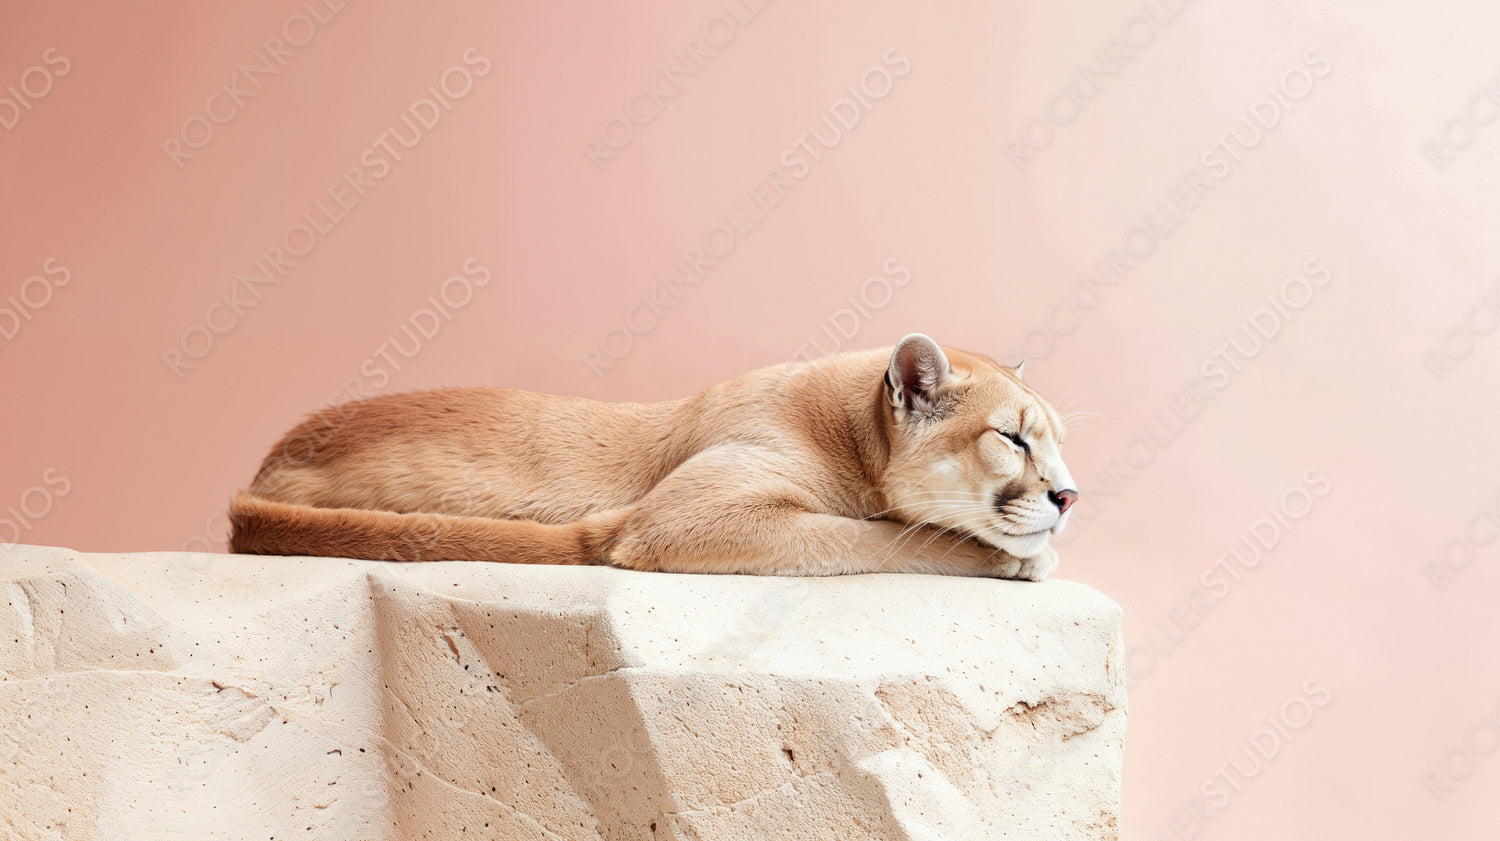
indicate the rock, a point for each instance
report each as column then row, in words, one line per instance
column 165, row 695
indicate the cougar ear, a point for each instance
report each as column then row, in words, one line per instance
column 918, row 368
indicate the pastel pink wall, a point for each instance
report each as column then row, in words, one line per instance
column 1100, row 219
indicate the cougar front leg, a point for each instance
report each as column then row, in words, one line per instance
column 731, row 510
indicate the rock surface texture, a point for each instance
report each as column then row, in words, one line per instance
column 177, row 695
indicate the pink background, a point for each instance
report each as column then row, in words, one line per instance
column 103, row 446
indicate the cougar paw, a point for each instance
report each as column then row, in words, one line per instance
column 1035, row 568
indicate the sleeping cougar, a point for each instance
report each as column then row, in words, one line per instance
column 912, row 459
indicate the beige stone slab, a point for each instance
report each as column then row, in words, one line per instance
column 177, row 695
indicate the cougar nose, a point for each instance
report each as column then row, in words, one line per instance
column 1063, row 500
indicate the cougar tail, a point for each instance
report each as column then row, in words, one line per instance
column 265, row 527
